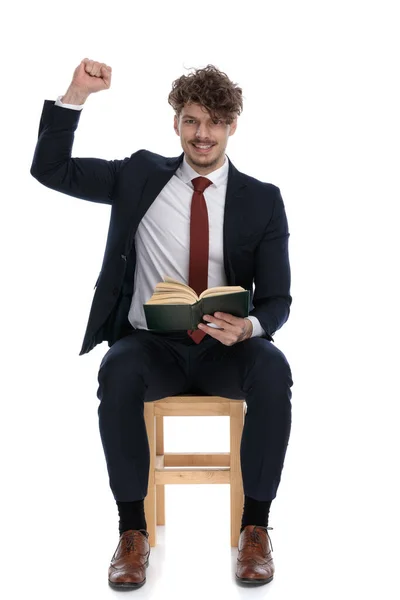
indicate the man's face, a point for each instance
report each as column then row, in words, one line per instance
column 196, row 127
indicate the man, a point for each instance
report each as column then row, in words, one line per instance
column 197, row 219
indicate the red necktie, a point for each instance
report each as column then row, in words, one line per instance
column 198, row 261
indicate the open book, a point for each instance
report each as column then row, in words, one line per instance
column 175, row 306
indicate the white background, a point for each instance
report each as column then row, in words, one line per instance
column 320, row 120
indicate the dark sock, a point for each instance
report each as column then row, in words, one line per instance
column 255, row 512
column 131, row 516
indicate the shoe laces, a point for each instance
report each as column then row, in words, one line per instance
column 255, row 536
column 130, row 538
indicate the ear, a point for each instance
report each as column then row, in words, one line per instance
column 233, row 127
column 176, row 125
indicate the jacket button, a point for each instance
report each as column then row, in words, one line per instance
column 115, row 291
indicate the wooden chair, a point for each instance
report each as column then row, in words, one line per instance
column 166, row 467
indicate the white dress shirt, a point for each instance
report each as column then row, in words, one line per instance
column 168, row 221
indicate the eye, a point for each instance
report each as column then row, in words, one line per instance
column 215, row 121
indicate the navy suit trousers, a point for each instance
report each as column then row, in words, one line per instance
column 145, row 366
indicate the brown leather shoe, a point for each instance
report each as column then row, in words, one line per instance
column 128, row 565
column 254, row 562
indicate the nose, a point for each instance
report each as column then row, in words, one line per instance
column 202, row 132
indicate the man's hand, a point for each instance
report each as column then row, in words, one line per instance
column 235, row 329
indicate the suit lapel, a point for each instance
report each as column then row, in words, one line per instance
column 155, row 182
column 233, row 217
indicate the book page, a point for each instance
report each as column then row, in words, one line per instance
column 225, row 289
column 183, row 291
column 169, row 299
column 176, row 290
column 183, row 285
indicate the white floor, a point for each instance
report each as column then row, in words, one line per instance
column 193, row 558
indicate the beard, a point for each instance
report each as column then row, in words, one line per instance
column 207, row 160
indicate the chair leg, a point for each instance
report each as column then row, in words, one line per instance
column 236, row 480
column 160, row 489
column 150, row 499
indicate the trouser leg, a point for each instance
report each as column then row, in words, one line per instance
column 141, row 367
column 257, row 371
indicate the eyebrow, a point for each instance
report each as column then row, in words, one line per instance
column 192, row 117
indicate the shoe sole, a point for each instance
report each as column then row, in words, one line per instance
column 248, row 581
column 128, row 585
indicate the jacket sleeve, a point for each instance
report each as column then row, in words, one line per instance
column 86, row 178
column 272, row 299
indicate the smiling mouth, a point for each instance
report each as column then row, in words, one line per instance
column 203, row 148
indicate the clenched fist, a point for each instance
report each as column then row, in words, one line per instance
column 91, row 76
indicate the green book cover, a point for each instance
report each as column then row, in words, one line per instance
column 176, row 317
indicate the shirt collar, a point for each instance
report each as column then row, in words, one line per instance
column 219, row 177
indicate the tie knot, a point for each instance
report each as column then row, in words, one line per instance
column 200, row 184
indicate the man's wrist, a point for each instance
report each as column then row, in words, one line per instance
column 74, row 96
column 249, row 330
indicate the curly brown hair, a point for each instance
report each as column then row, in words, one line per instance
column 211, row 88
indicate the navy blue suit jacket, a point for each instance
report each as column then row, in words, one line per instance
column 255, row 231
